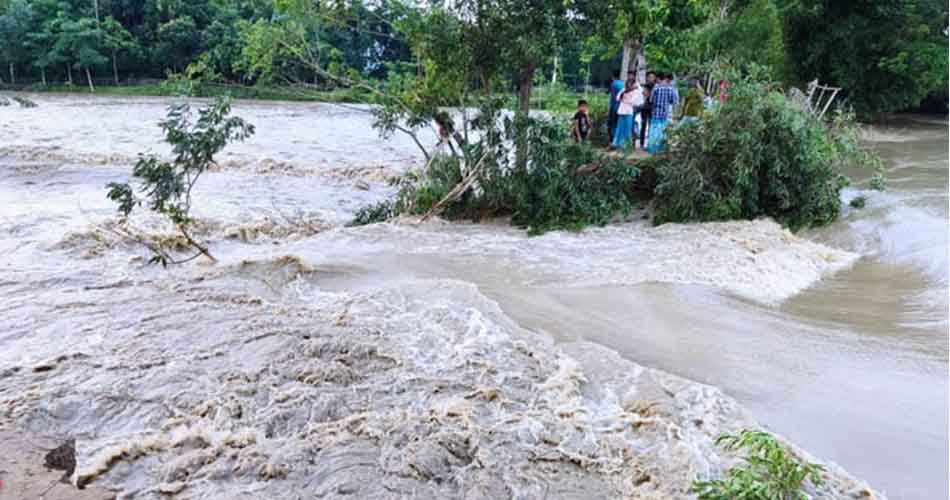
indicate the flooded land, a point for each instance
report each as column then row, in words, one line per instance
column 438, row 360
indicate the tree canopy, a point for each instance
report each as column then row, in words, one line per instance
column 887, row 55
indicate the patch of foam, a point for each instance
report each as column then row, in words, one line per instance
column 870, row 133
column 147, row 229
column 894, row 229
column 758, row 260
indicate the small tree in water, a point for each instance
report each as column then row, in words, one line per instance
column 167, row 186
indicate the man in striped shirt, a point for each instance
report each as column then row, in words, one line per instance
column 665, row 98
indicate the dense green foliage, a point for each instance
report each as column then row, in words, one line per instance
column 771, row 472
column 887, row 55
column 564, row 185
column 167, row 185
column 758, row 155
column 152, row 38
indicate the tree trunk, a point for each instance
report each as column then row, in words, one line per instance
column 554, row 73
column 89, row 79
column 12, row 75
column 115, row 68
column 69, row 74
column 525, row 86
column 43, row 72
column 625, row 60
column 640, row 61
column 486, row 81
column 631, row 53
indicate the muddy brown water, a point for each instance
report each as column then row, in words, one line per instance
column 853, row 367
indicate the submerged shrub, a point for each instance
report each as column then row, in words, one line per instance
column 877, row 182
column 165, row 186
column 759, row 154
column 859, row 202
column 770, row 471
column 24, row 102
column 570, row 186
column 371, row 214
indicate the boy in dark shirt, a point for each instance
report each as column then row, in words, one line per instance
column 580, row 124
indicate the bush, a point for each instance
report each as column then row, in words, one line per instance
column 569, row 186
column 420, row 193
column 757, row 155
column 770, row 472
column 563, row 185
column 371, row 214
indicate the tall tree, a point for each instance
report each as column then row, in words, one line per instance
column 15, row 25
column 514, row 35
column 628, row 24
column 886, row 54
column 179, row 42
column 80, row 42
column 116, row 39
column 42, row 37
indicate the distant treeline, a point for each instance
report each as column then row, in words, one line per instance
column 886, row 54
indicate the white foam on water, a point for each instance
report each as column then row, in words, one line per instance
column 757, row 260
column 422, row 389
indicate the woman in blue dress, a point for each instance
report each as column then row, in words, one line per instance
column 628, row 100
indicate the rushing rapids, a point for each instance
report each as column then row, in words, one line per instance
column 443, row 360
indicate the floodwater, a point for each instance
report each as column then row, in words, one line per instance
column 836, row 339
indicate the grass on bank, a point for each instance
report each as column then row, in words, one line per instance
column 257, row 92
column 557, row 100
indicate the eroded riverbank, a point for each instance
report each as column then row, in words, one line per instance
column 436, row 359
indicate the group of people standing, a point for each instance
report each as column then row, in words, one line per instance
column 643, row 111
column 653, row 102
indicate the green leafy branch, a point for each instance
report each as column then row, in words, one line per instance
column 770, row 471
column 166, row 186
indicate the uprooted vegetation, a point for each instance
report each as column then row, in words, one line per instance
column 758, row 155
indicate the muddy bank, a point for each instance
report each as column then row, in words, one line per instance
column 23, row 474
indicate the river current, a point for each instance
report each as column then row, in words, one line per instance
column 835, row 339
